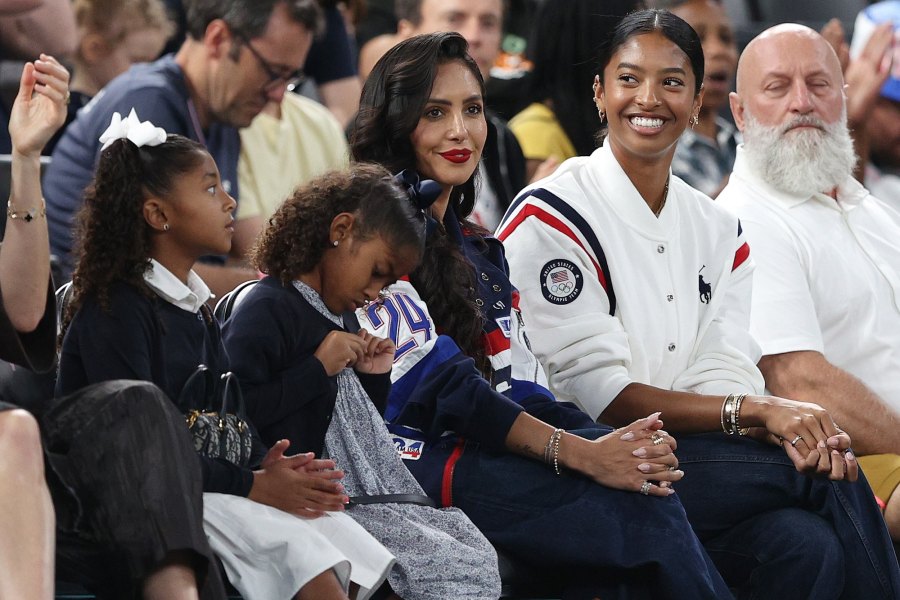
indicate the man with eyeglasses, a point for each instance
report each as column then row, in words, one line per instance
column 238, row 56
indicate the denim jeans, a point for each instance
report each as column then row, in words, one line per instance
column 600, row 541
column 779, row 534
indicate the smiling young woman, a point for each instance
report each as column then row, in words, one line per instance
column 638, row 292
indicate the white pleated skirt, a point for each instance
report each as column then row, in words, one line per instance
column 270, row 554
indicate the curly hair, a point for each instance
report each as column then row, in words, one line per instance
column 297, row 234
column 393, row 99
column 112, row 237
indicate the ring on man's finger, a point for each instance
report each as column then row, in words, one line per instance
column 645, row 488
column 796, row 439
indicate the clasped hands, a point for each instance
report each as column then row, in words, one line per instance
column 628, row 457
column 300, row 484
column 808, row 435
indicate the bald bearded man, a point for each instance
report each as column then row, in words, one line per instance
column 826, row 291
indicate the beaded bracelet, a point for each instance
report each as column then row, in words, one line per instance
column 551, row 450
column 736, row 416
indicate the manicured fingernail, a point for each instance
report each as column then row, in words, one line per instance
column 654, row 417
column 628, row 436
column 640, row 452
column 670, row 491
column 644, row 467
column 849, row 455
column 821, row 444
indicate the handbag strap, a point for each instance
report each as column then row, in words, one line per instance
column 420, row 499
column 190, row 397
column 231, row 389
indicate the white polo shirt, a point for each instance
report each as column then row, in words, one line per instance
column 827, row 275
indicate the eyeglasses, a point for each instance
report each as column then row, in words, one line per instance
column 277, row 76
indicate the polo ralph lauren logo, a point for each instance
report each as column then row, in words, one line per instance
column 705, row 288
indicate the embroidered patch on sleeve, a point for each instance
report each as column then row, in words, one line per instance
column 561, row 281
column 407, row 448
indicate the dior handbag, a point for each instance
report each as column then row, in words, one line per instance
column 216, row 416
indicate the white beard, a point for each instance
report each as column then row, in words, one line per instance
column 802, row 162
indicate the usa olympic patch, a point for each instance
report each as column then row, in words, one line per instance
column 561, row 281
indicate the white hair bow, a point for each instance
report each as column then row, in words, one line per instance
column 140, row 133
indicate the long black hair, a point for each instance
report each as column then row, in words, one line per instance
column 393, row 100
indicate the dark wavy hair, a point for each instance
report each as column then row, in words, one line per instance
column 297, row 234
column 113, row 239
column 393, row 100
column 673, row 28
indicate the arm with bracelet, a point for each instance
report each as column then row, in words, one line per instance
column 39, row 110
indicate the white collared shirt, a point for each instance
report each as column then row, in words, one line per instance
column 188, row 297
column 827, row 275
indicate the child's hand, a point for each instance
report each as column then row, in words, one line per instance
column 298, row 484
column 379, row 354
column 340, row 350
column 306, row 462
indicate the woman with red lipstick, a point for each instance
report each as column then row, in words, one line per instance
column 469, row 409
column 637, row 287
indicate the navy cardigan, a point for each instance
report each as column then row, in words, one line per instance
column 271, row 338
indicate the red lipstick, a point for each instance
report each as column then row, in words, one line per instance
column 457, row 155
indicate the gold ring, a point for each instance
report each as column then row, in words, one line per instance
column 796, row 439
